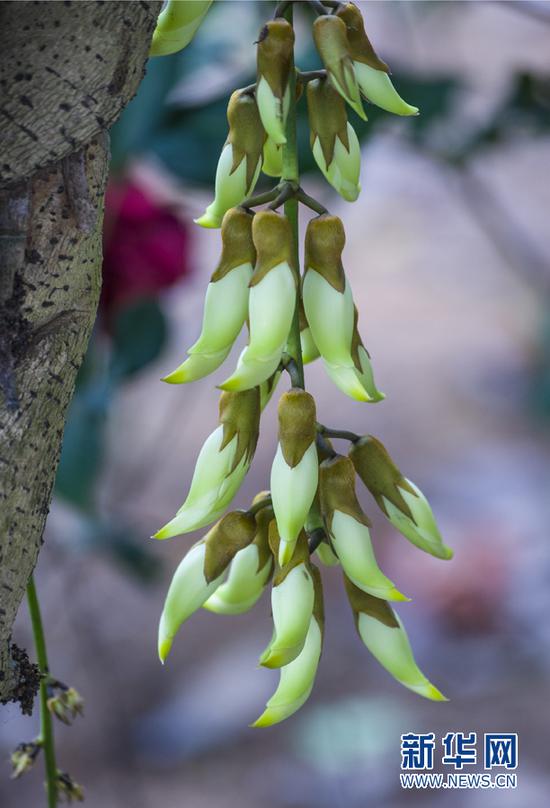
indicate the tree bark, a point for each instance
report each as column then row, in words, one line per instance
column 67, row 71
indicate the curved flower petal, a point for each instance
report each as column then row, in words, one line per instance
column 197, row 366
column 231, row 187
column 177, row 24
column 422, row 529
column 292, row 607
column 330, row 315
column 390, row 646
column 292, row 492
column 352, row 543
column 272, row 112
column 343, row 170
column 244, row 585
column 296, row 680
column 188, row 591
column 377, row 87
column 225, row 311
column 251, row 372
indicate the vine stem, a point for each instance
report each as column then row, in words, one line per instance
column 291, row 173
column 46, row 726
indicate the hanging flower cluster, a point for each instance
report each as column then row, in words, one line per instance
column 311, row 513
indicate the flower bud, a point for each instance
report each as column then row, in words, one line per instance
column 400, row 500
column 240, row 161
column 273, row 159
column 292, row 598
column 348, row 528
column 231, row 534
column 226, row 301
column 296, row 678
column 330, row 312
column 248, row 574
column 271, row 303
column 177, row 24
column 68, row 789
column 370, row 70
column 275, row 61
column 221, row 465
column 333, row 140
column 294, row 472
column 23, row 758
column 331, row 41
column 65, row 703
column 384, row 635
column 201, row 572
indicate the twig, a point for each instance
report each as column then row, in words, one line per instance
column 344, row 434
column 46, row 728
column 309, row 75
column 291, row 367
column 310, row 202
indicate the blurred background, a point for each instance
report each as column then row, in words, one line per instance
column 449, row 258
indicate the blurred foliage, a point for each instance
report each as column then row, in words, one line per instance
column 524, row 109
column 138, row 334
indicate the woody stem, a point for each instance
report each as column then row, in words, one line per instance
column 291, row 174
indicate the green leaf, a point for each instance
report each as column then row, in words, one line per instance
column 82, row 452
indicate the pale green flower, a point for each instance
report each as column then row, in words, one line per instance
column 297, row 676
column 275, row 50
column 295, row 468
column 240, row 161
column 399, row 499
column 188, row 591
column 292, row 601
column 201, row 572
column 271, row 302
column 330, row 311
column 221, row 466
column 177, row 24
column 333, row 140
column 296, row 680
column 348, row 529
column 329, row 33
column 226, row 301
column 384, row 635
column 248, row 574
column 370, row 71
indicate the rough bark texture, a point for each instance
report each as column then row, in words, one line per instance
column 67, row 71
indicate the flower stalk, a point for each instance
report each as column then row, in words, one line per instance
column 291, row 173
column 46, row 738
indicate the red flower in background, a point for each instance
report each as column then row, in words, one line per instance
column 145, row 246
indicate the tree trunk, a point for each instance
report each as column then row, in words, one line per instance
column 67, row 71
